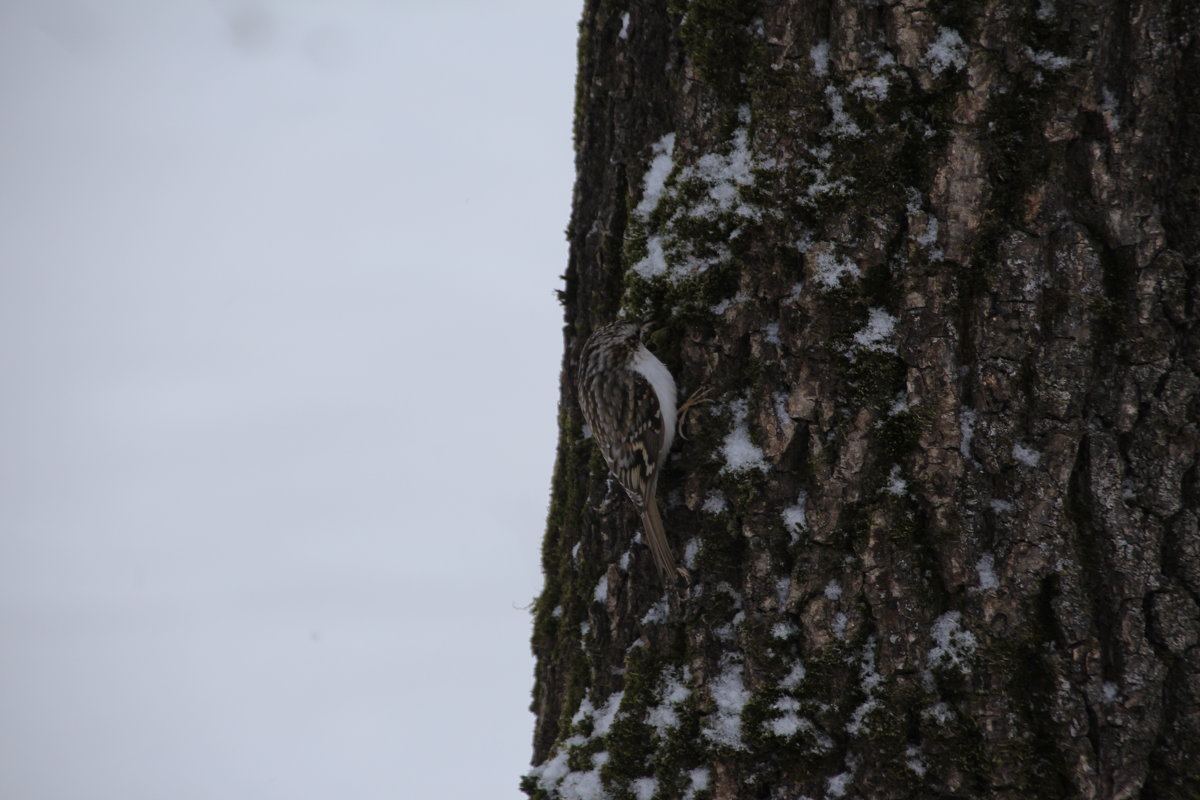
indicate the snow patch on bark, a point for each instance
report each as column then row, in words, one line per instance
column 700, row 778
column 877, row 333
column 870, row 682
column 837, row 785
column 913, row 760
column 792, row 680
column 673, row 691
column 714, row 503
column 555, row 776
column 986, row 569
column 784, row 630
column 740, row 452
column 795, row 518
column 1026, row 455
column 710, row 188
column 966, row 426
column 656, row 176
column 644, row 788
column 841, row 124
column 947, row 52
column 729, row 692
column 1047, row 60
column 819, row 55
column 830, row 269
column 953, row 644
column 658, row 612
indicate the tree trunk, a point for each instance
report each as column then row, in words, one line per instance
column 938, row 264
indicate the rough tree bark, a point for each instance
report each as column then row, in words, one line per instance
column 938, row 263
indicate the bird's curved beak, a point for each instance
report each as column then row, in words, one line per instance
column 647, row 327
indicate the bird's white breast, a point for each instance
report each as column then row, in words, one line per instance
column 648, row 366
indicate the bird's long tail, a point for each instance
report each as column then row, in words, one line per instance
column 660, row 548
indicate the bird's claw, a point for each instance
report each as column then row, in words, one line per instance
column 699, row 397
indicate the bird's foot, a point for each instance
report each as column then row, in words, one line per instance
column 699, row 397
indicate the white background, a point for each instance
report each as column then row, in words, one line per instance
column 279, row 356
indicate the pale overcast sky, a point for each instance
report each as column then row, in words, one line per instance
column 279, row 350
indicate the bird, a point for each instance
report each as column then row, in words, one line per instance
column 629, row 400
